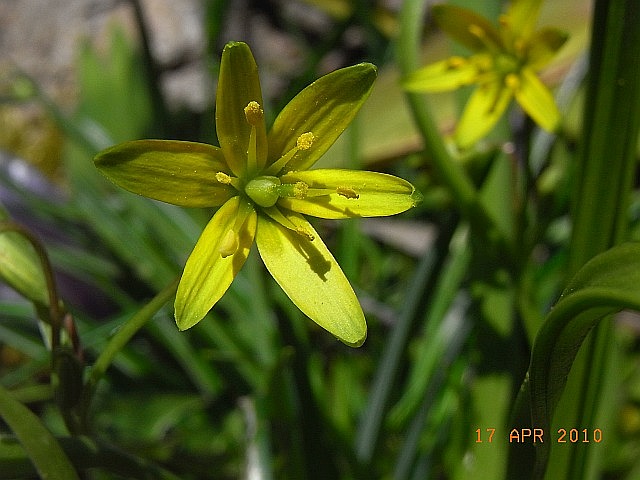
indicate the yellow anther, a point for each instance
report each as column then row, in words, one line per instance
column 456, row 62
column 223, row 178
column 477, row 31
column 347, row 192
column 229, row 244
column 503, row 20
column 300, row 190
column 305, row 141
column 512, row 81
column 253, row 113
column 305, row 233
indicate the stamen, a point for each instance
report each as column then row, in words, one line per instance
column 347, row 192
column 229, row 244
column 512, row 81
column 303, row 142
column 277, row 216
column 456, row 62
column 253, row 113
column 226, row 179
column 300, row 190
column 223, row 178
column 488, row 42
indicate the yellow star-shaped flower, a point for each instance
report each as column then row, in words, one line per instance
column 504, row 65
column 262, row 183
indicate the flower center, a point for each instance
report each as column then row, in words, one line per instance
column 263, row 190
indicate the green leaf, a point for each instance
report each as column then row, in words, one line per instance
column 483, row 110
column 238, row 85
column 311, row 277
column 467, row 27
column 208, row 274
column 608, row 283
column 50, row 460
column 324, row 108
column 182, row 173
column 350, row 193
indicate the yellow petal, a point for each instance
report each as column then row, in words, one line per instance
column 310, row 276
column 216, row 259
column 536, row 99
column 467, row 27
column 349, row 193
column 521, row 16
column 483, row 110
column 543, row 45
column 182, row 173
column 442, row 76
column 238, row 86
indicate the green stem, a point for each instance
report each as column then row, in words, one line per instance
column 122, row 337
column 448, row 169
column 408, row 53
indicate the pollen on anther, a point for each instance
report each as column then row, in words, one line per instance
column 253, row 113
column 223, row 178
column 456, row 62
column 305, row 141
column 229, row 244
column 512, row 81
column 300, row 190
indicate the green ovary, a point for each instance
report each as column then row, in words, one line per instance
column 264, row 191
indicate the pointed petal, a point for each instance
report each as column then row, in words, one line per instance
column 442, row 76
column 521, row 16
column 483, row 110
column 182, row 173
column 467, row 27
column 325, row 108
column 238, row 85
column 313, row 280
column 536, row 99
column 543, row 45
column 207, row 274
column 350, row 193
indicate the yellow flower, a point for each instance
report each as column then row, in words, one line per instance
column 262, row 185
column 504, row 65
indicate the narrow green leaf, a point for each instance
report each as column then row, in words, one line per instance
column 181, row 173
column 608, row 283
column 324, row 108
column 350, row 193
column 50, row 460
column 311, row 277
